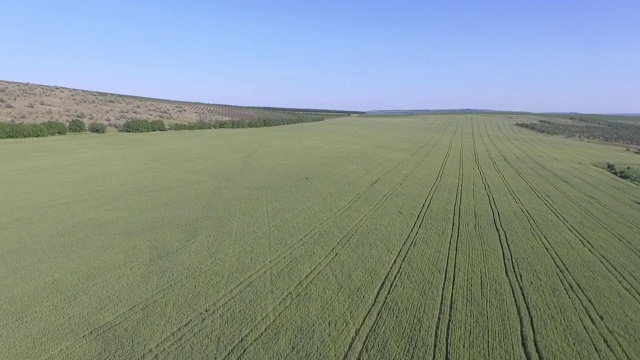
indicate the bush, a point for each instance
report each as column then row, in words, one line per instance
column 20, row 130
column 137, row 126
column 13, row 130
column 178, row 126
column 9, row 131
column 37, row 130
column 624, row 174
column 256, row 123
column 98, row 128
column 237, row 124
column 200, row 125
column 158, row 125
column 77, row 125
column 55, row 128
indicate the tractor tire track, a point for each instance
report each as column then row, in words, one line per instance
column 454, row 239
column 484, row 262
column 525, row 320
column 568, row 281
column 108, row 279
column 155, row 297
column 625, row 189
column 593, row 200
column 151, row 299
column 602, row 225
column 115, row 277
column 187, row 328
column 583, row 240
column 309, row 277
column 598, row 221
column 391, row 276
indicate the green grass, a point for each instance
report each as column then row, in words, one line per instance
column 458, row 236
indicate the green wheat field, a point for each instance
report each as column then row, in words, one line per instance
column 421, row 237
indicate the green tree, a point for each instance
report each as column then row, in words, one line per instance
column 158, row 125
column 137, row 125
column 77, row 125
column 98, row 128
column 55, row 127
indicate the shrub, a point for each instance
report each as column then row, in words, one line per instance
column 37, row 130
column 99, row 128
column 137, row 126
column 12, row 130
column 256, row 123
column 178, row 126
column 20, row 130
column 77, row 125
column 200, row 125
column 55, row 128
column 158, row 125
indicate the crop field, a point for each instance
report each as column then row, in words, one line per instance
column 424, row 237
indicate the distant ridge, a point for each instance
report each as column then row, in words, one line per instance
column 482, row 111
column 436, row 111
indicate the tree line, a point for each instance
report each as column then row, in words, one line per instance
column 601, row 129
column 12, row 130
column 50, row 128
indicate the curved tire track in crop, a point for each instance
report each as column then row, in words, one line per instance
column 346, row 238
column 251, row 278
column 618, row 189
column 611, row 268
column 188, row 328
column 509, row 266
column 593, row 200
column 389, row 280
column 454, row 239
column 568, row 281
column 628, row 199
column 156, row 296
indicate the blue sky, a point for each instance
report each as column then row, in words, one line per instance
column 506, row 55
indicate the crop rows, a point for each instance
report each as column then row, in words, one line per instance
column 432, row 237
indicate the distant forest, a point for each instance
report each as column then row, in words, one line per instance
column 613, row 129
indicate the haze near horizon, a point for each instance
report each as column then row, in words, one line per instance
column 541, row 56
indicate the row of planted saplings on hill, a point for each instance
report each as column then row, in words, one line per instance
column 50, row 128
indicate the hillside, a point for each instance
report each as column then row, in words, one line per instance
column 29, row 103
